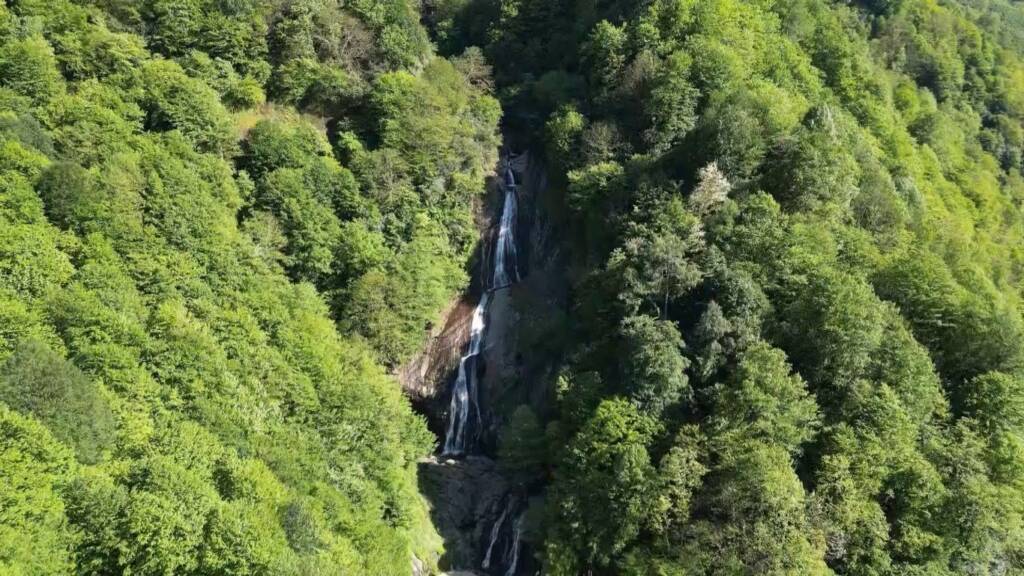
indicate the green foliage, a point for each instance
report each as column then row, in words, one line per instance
column 765, row 402
column 654, row 368
column 34, row 534
column 822, row 200
column 758, row 504
column 606, row 473
column 792, row 230
column 655, row 265
column 671, row 104
column 310, row 225
column 35, row 380
column 832, row 328
column 28, row 67
column 310, row 84
column 995, row 401
column 392, row 306
column 563, row 131
column 812, row 167
column 175, row 101
column 186, row 385
column 521, row 448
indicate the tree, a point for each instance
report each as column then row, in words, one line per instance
column 995, row 401
column 522, row 446
column 759, row 523
column 605, row 484
column 904, row 364
column 966, row 334
column 604, row 56
column 29, row 68
column 680, row 474
column 175, row 101
column 34, row 468
column 312, row 228
column 832, row 329
column 38, row 381
column 731, row 125
column 653, row 368
column 671, row 104
column 985, row 526
column 273, row 144
column 590, row 187
column 656, row 261
column 710, row 335
column 855, row 526
column 813, row 168
column 711, row 191
column 762, row 400
column 562, row 135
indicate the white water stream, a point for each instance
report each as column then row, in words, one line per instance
column 465, row 421
column 495, row 533
column 513, row 562
column 464, row 426
column 506, row 269
column 464, row 392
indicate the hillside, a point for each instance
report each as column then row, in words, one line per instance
column 760, row 312
column 221, row 224
column 794, row 343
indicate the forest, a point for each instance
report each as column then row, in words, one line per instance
column 793, row 342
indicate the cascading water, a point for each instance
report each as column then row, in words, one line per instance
column 506, row 256
column 513, row 561
column 502, row 556
column 461, row 423
column 464, row 392
column 495, row 533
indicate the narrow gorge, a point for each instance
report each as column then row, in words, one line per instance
column 472, row 375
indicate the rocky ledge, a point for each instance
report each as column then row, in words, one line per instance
column 466, row 496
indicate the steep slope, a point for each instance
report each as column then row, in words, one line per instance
column 768, row 319
column 795, row 336
column 202, row 291
column 471, row 386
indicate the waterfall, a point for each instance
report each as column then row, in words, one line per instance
column 495, row 532
column 507, row 545
column 461, row 422
column 505, row 254
column 513, row 562
column 464, row 391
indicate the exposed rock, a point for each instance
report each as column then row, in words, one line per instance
column 520, row 349
column 421, row 375
column 466, row 496
column 419, row 568
column 426, row 378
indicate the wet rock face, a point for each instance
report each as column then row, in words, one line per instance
column 426, row 378
column 466, row 497
column 423, row 375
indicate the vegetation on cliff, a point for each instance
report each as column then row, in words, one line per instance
column 795, row 344
column 220, row 222
column 796, row 264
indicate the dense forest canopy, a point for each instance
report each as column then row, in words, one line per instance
column 796, row 334
column 221, row 221
column 795, row 343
